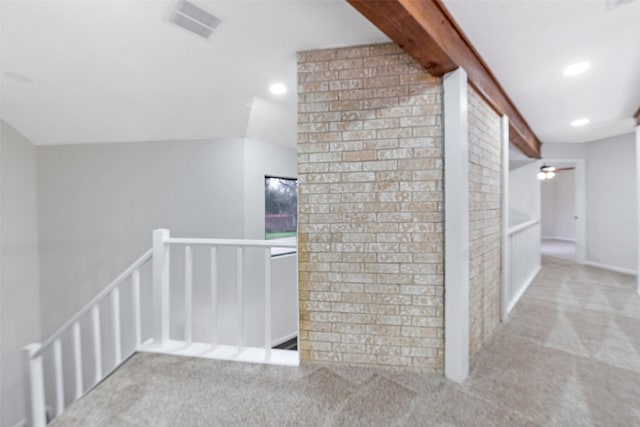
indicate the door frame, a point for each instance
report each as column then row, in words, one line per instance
column 580, row 197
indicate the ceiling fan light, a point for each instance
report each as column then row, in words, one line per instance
column 542, row 176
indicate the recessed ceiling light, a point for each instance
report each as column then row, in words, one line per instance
column 277, row 88
column 575, row 69
column 579, row 122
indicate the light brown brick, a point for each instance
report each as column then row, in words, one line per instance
column 370, row 209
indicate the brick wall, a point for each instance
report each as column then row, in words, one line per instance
column 370, row 209
column 485, row 218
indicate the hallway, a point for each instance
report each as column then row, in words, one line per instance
column 558, row 249
column 568, row 356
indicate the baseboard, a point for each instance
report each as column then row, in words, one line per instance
column 521, row 292
column 611, row 268
column 22, row 423
column 562, row 239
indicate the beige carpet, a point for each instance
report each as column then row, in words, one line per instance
column 568, row 356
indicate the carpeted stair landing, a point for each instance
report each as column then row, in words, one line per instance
column 568, row 356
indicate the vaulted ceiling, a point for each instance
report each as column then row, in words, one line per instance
column 91, row 71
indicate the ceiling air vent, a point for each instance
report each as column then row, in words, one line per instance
column 192, row 18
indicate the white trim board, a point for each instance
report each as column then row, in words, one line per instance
column 562, row 239
column 226, row 352
column 638, row 203
column 521, row 292
column 21, row 423
column 456, row 226
column 505, row 252
column 611, row 267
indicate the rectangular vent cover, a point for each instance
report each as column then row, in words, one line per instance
column 192, row 18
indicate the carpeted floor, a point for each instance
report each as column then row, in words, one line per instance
column 568, row 356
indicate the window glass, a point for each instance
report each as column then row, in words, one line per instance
column 281, row 207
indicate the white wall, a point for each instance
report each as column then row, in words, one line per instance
column 262, row 159
column 19, row 296
column 99, row 204
column 548, row 209
column 611, row 194
column 611, row 202
column 95, row 207
column 524, row 194
column 564, row 151
column 559, row 207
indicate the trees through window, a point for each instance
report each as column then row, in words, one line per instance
column 281, row 207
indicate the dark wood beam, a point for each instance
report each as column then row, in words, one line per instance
column 427, row 32
column 637, row 116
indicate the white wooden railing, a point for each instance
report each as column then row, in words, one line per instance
column 34, row 353
column 160, row 340
column 524, row 260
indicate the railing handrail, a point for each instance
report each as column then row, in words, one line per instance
column 144, row 258
column 523, row 225
column 231, row 242
column 104, row 293
column 160, row 274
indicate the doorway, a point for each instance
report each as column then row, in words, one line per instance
column 562, row 210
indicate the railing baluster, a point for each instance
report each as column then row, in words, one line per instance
column 77, row 360
column 97, row 342
column 524, row 259
column 267, row 303
column 59, row 378
column 38, row 413
column 135, row 300
column 214, row 296
column 161, row 292
column 519, row 257
column 514, row 268
column 33, row 354
column 240, row 298
column 188, row 294
column 525, row 253
column 115, row 322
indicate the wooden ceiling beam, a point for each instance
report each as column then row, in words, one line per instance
column 426, row 31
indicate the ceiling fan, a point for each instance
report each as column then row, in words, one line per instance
column 548, row 172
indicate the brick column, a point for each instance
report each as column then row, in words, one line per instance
column 485, row 220
column 370, row 171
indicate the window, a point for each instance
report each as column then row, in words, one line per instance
column 281, row 210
